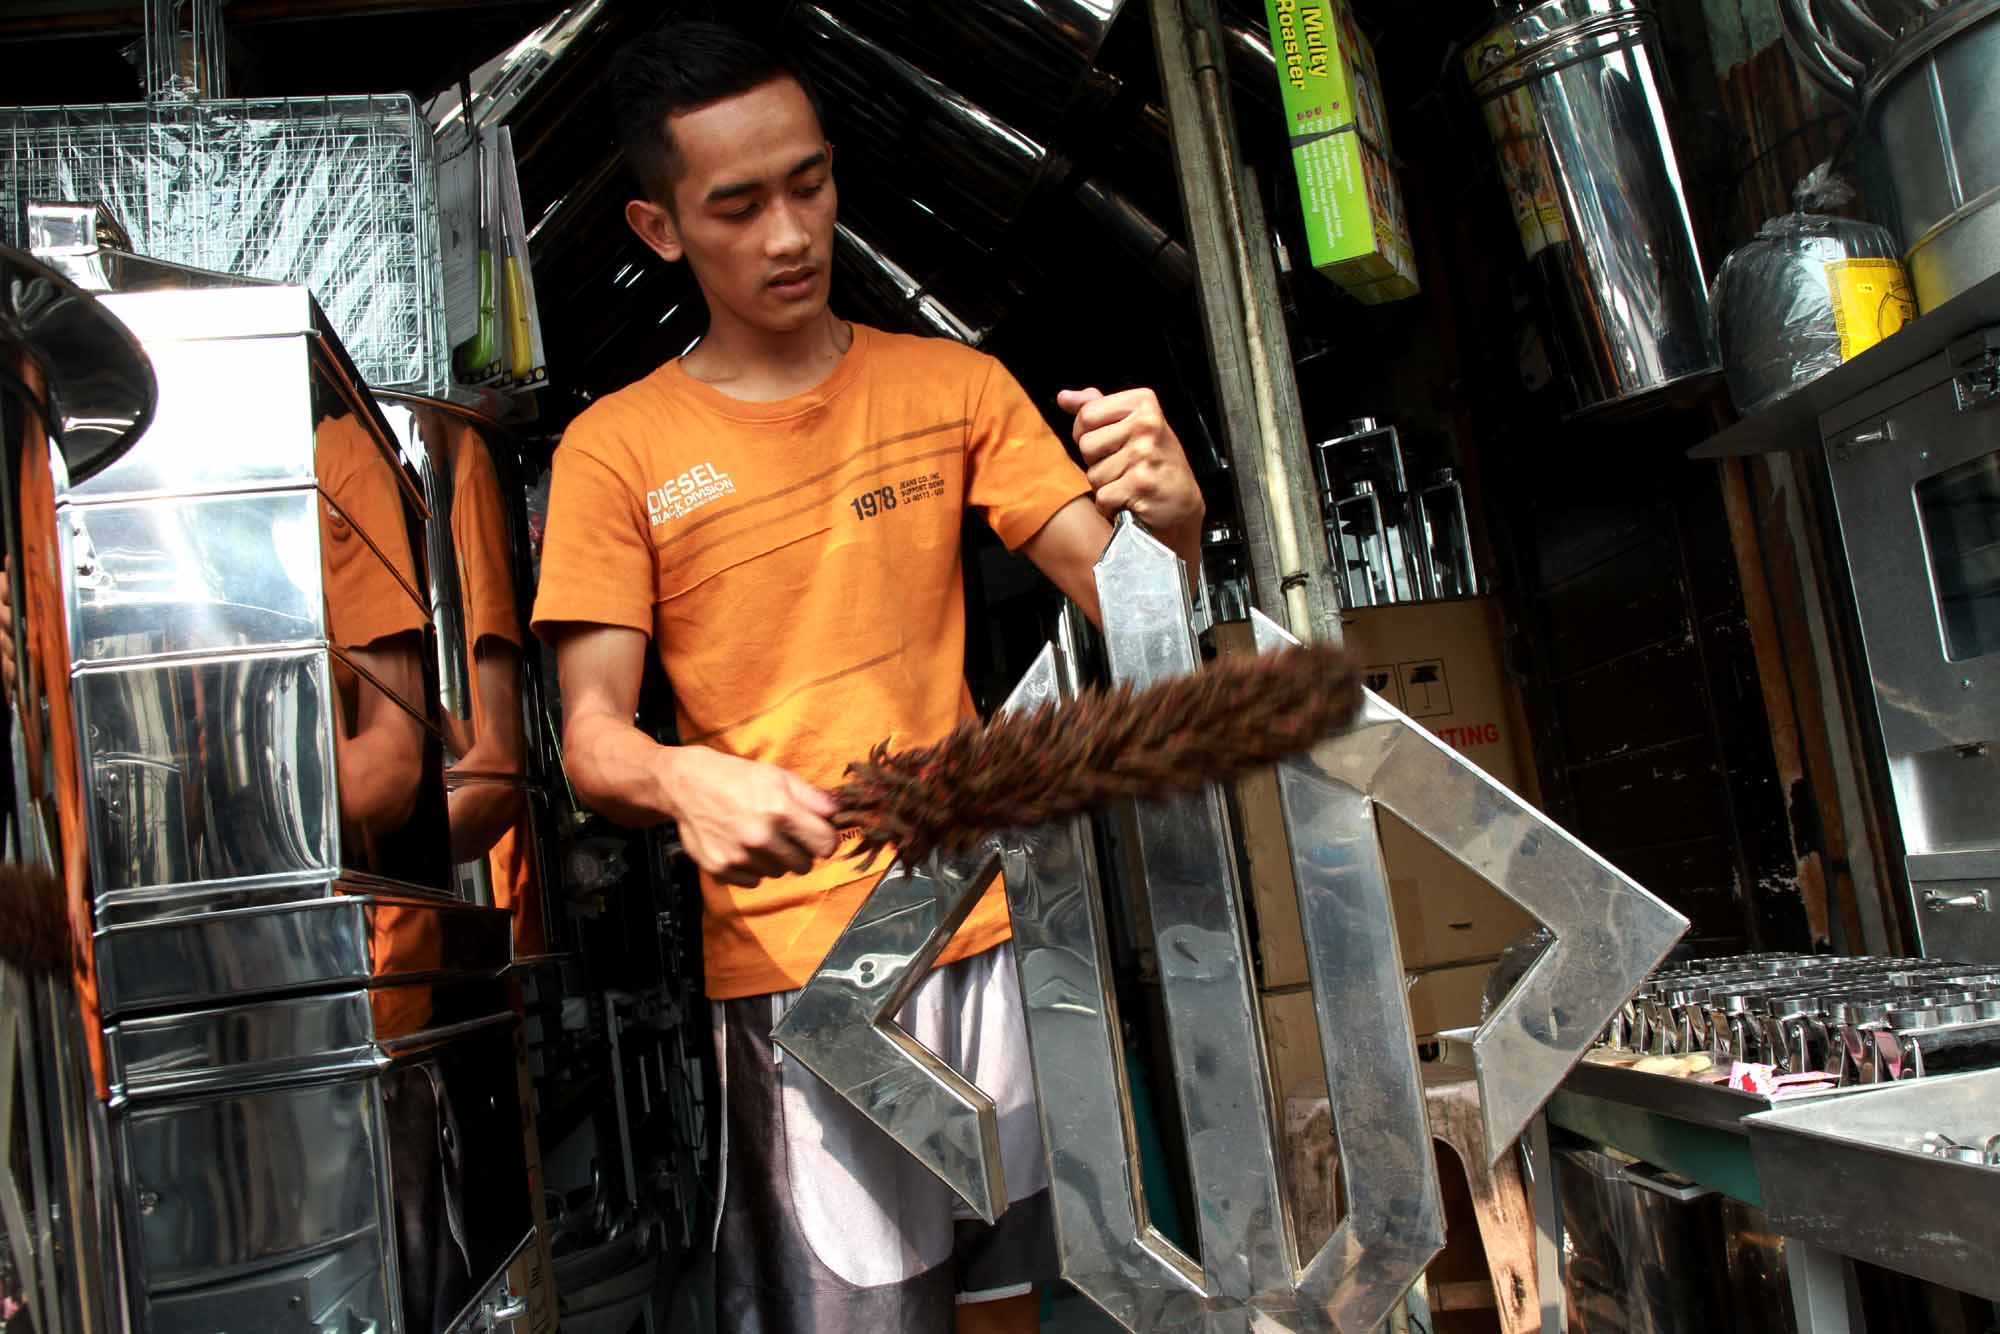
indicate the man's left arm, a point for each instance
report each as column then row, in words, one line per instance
column 1134, row 462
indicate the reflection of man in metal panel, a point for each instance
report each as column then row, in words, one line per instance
column 488, row 806
column 373, row 623
column 48, row 734
column 375, row 626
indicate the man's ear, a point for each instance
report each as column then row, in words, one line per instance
column 656, row 227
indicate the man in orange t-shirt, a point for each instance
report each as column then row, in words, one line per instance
column 778, row 511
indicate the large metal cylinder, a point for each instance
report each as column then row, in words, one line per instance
column 1574, row 97
column 1935, row 107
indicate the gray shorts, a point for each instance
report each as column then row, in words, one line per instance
column 826, row 1224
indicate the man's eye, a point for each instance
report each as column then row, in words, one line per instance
column 808, row 191
column 738, row 214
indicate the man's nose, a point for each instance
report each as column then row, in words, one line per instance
column 786, row 235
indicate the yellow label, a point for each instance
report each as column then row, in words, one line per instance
column 1871, row 300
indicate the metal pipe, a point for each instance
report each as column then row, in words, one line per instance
column 1245, row 340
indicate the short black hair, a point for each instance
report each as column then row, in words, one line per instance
column 677, row 67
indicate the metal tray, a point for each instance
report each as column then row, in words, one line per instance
column 1844, row 1171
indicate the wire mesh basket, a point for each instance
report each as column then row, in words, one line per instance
column 337, row 194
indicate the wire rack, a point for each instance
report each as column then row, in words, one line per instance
column 338, row 194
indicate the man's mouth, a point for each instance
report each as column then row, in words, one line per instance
column 792, row 281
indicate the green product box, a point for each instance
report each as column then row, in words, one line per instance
column 1356, row 226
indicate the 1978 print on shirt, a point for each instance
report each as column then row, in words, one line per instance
column 881, row 499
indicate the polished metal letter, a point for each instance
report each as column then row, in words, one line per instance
column 842, row 1025
column 1608, row 934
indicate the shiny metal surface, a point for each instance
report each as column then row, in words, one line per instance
column 227, row 1184
column 1251, row 1274
column 1936, row 110
column 1636, row 1259
column 1576, row 101
column 100, row 393
column 1921, row 77
column 1186, row 849
column 1291, row 578
column 390, row 1188
column 502, row 773
column 1850, row 1173
column 226, row 768
column 964, row 165
column 310, row 1051
column 210, row 574
column 1608, row 930
column 898, row 289
column 75, row 390
column 842, row 1026
column 346, row 938
column 194, row 1051
column 1936, row 694
column 1863, row 1020
column 1028, row 56
column 246, row 347
column 1061, row 945
column 339, row 1289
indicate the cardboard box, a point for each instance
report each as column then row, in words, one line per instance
column 1444, row 913
column 1441, row 663
column 1447, row 998
column 1356, row 225
column 1357, row 228
column 1291, row 1042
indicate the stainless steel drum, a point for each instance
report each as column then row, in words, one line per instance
column 1935, row 106
column 1574, row 96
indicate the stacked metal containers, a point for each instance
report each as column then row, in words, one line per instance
column 309, row 1052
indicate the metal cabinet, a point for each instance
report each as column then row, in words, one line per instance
column 1915, row 467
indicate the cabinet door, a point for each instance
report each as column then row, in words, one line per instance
column 1918, row 489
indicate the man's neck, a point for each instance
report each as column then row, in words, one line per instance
column 759, row 366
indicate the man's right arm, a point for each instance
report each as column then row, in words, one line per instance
column 741, row 821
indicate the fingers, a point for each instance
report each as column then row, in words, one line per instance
column 1119, row 496
column 811, row 834
column 1071, row 400
column 810, row 797
column 752, row 866
column 1104, row 409
column 1105, row 470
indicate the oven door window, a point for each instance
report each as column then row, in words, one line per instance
column 1960, row 513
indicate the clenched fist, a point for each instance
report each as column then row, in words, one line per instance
column 1135, row 462
column 745, row 822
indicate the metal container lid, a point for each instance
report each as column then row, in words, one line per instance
column 1547, row 37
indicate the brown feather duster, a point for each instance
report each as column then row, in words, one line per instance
column 1029, row 768
column 34, row 920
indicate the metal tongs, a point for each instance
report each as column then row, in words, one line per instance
column 1940, row 1145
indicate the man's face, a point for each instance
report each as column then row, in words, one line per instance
column 754, row 203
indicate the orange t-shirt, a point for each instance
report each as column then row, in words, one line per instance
column 797, row 565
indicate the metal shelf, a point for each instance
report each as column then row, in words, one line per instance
column 1793, row 422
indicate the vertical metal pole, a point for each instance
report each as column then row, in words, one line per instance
column 1548, row 1225
column 1291, row 577
column 618, row 1098
column 1819, row 1289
